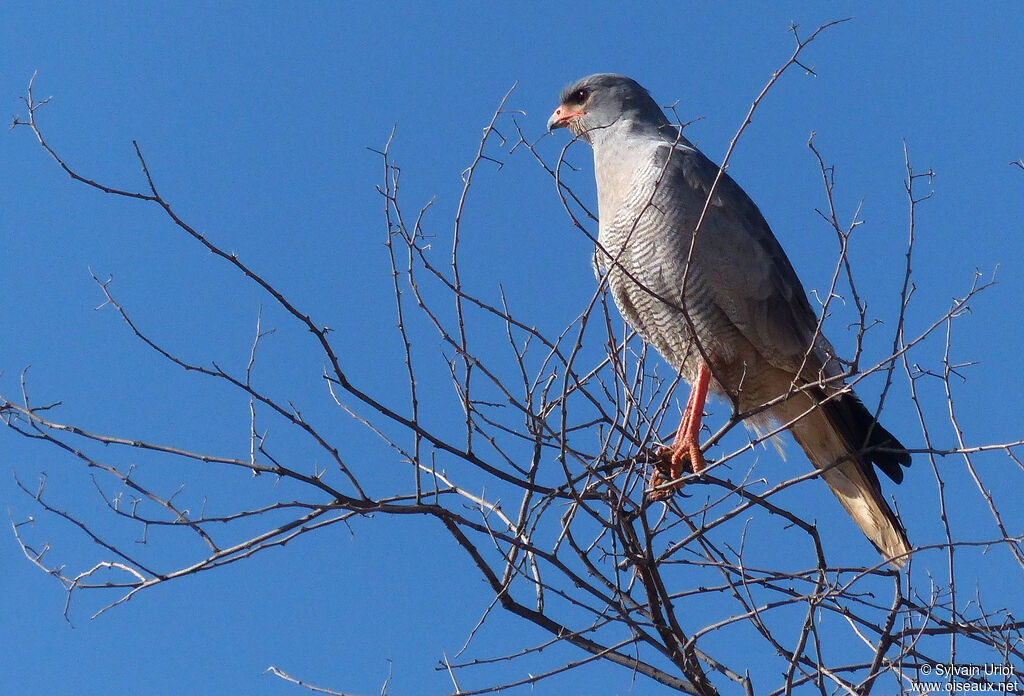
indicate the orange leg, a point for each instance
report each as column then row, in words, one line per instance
column 685, row 448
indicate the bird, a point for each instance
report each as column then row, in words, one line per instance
column 722, row 303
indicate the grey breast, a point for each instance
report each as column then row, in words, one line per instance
column 646, row 245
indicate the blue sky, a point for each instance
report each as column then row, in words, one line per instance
column 255, row 120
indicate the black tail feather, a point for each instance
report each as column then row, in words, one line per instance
column 866, row 436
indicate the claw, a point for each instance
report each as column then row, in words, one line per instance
column 675, row 459
column 685, row 448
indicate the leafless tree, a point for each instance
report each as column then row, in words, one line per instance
column 542, row 484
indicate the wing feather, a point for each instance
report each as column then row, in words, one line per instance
column 745, row 268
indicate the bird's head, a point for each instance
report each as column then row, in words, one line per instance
column 604, row 101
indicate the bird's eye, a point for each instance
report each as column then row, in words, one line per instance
column 579, row 96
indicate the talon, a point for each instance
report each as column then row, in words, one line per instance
column 681, row 456
column 656, row 476
column 685, row 448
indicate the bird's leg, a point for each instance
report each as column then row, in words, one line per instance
column 685, row 448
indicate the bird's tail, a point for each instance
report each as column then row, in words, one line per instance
column 841, row 437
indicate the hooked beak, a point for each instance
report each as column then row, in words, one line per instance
column 562, row 116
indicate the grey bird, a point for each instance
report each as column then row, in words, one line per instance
column 724, row 307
